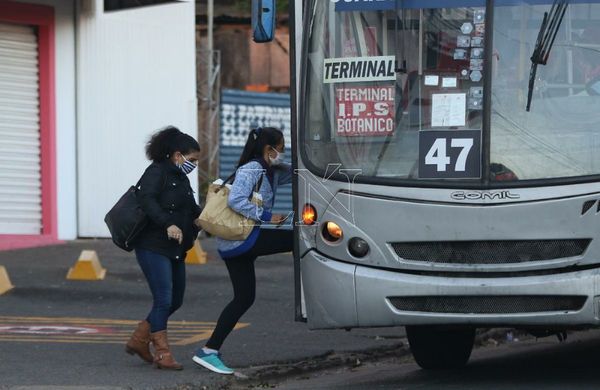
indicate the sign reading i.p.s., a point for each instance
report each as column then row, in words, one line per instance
column 450, row 154
column 359, row 69
column 364, row 111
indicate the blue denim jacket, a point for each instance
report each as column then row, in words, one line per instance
column 246, row 178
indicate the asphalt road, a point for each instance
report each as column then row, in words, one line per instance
column 44, row 302
column 270, row 348
column 533, row 364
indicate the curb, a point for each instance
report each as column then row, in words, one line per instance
column 261, row 375
column 329, row 360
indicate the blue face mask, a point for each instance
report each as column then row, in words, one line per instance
column 187, row 167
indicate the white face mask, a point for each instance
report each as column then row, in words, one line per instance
column 277, row 160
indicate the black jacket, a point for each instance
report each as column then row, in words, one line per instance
column 167, row 198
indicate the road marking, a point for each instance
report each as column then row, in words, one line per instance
column 20, row 329
column 94, row 330
column 84, row 387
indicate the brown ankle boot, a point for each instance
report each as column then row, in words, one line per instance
column 163, row 357
column 139, row 342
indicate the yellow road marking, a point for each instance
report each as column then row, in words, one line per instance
column 203, row 336
column 110, row 331
column 62, row 341
column 96, row 321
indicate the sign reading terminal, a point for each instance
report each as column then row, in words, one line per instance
column 359, row 69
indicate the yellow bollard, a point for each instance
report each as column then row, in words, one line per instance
column 5, row 284
column 196, row 255
column 87, row 267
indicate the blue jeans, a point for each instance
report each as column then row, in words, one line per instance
column 166, row 278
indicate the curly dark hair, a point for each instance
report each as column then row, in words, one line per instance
column 167, row 141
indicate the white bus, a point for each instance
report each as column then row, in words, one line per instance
column 448, row 156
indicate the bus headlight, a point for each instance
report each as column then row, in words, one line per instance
column 309, row 214
column 358, row 247
column 332, row 232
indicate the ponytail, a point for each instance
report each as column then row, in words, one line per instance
column 258, row 138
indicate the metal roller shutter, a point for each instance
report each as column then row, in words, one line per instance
column 20, row 176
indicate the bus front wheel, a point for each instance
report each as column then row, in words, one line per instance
column 440, row 348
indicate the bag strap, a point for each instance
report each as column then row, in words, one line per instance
column 257, row 186
column 230, row 178
column 137, row 185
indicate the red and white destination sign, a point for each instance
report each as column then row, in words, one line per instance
column 364, row 111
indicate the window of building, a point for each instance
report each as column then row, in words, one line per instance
column 115, row 5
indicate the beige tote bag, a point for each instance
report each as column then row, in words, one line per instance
column 218, row 219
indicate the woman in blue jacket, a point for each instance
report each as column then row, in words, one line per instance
column 260, row 162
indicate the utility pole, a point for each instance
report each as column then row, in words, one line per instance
column 210, row 42
column 208, row 62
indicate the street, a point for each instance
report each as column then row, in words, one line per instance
column 70, row 335
column 60, row 332
column 542, row 364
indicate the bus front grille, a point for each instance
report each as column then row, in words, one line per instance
column 514, row 304
column 490, row 252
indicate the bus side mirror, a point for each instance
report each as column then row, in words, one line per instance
column 263, row 20
column 593, row 86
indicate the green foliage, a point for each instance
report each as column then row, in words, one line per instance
column 245, row 5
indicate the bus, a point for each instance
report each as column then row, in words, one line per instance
column 448, row 167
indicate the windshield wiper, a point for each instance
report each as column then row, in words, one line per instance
column 545, row 40
column 401, row 65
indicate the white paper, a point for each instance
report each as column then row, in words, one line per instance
column 432, row 80
column 449, row 82
column 448, row 109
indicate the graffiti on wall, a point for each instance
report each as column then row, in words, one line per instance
column 238, row 119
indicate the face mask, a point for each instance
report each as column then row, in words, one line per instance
column 187, row 167
column 278, row 160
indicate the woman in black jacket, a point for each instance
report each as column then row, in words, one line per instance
column 167, row 198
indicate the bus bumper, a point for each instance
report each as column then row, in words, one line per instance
column 343, row 295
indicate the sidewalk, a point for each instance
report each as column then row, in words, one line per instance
column 45, row 321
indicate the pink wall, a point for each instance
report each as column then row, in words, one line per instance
column 43, row 18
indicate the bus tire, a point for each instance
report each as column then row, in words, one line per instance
column 435, row 348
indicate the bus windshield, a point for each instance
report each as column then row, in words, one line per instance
column 395, row 89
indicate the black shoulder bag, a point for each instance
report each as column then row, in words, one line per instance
column 126, row 219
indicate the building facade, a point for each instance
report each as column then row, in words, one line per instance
column 83, row 84
column 246, row 65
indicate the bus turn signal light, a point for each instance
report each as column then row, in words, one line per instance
column 309, row 215
column 332, row 232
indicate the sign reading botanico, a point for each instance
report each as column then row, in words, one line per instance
column 364, row 111
column 359, row 69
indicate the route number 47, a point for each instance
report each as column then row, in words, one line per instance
column 438, row 154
